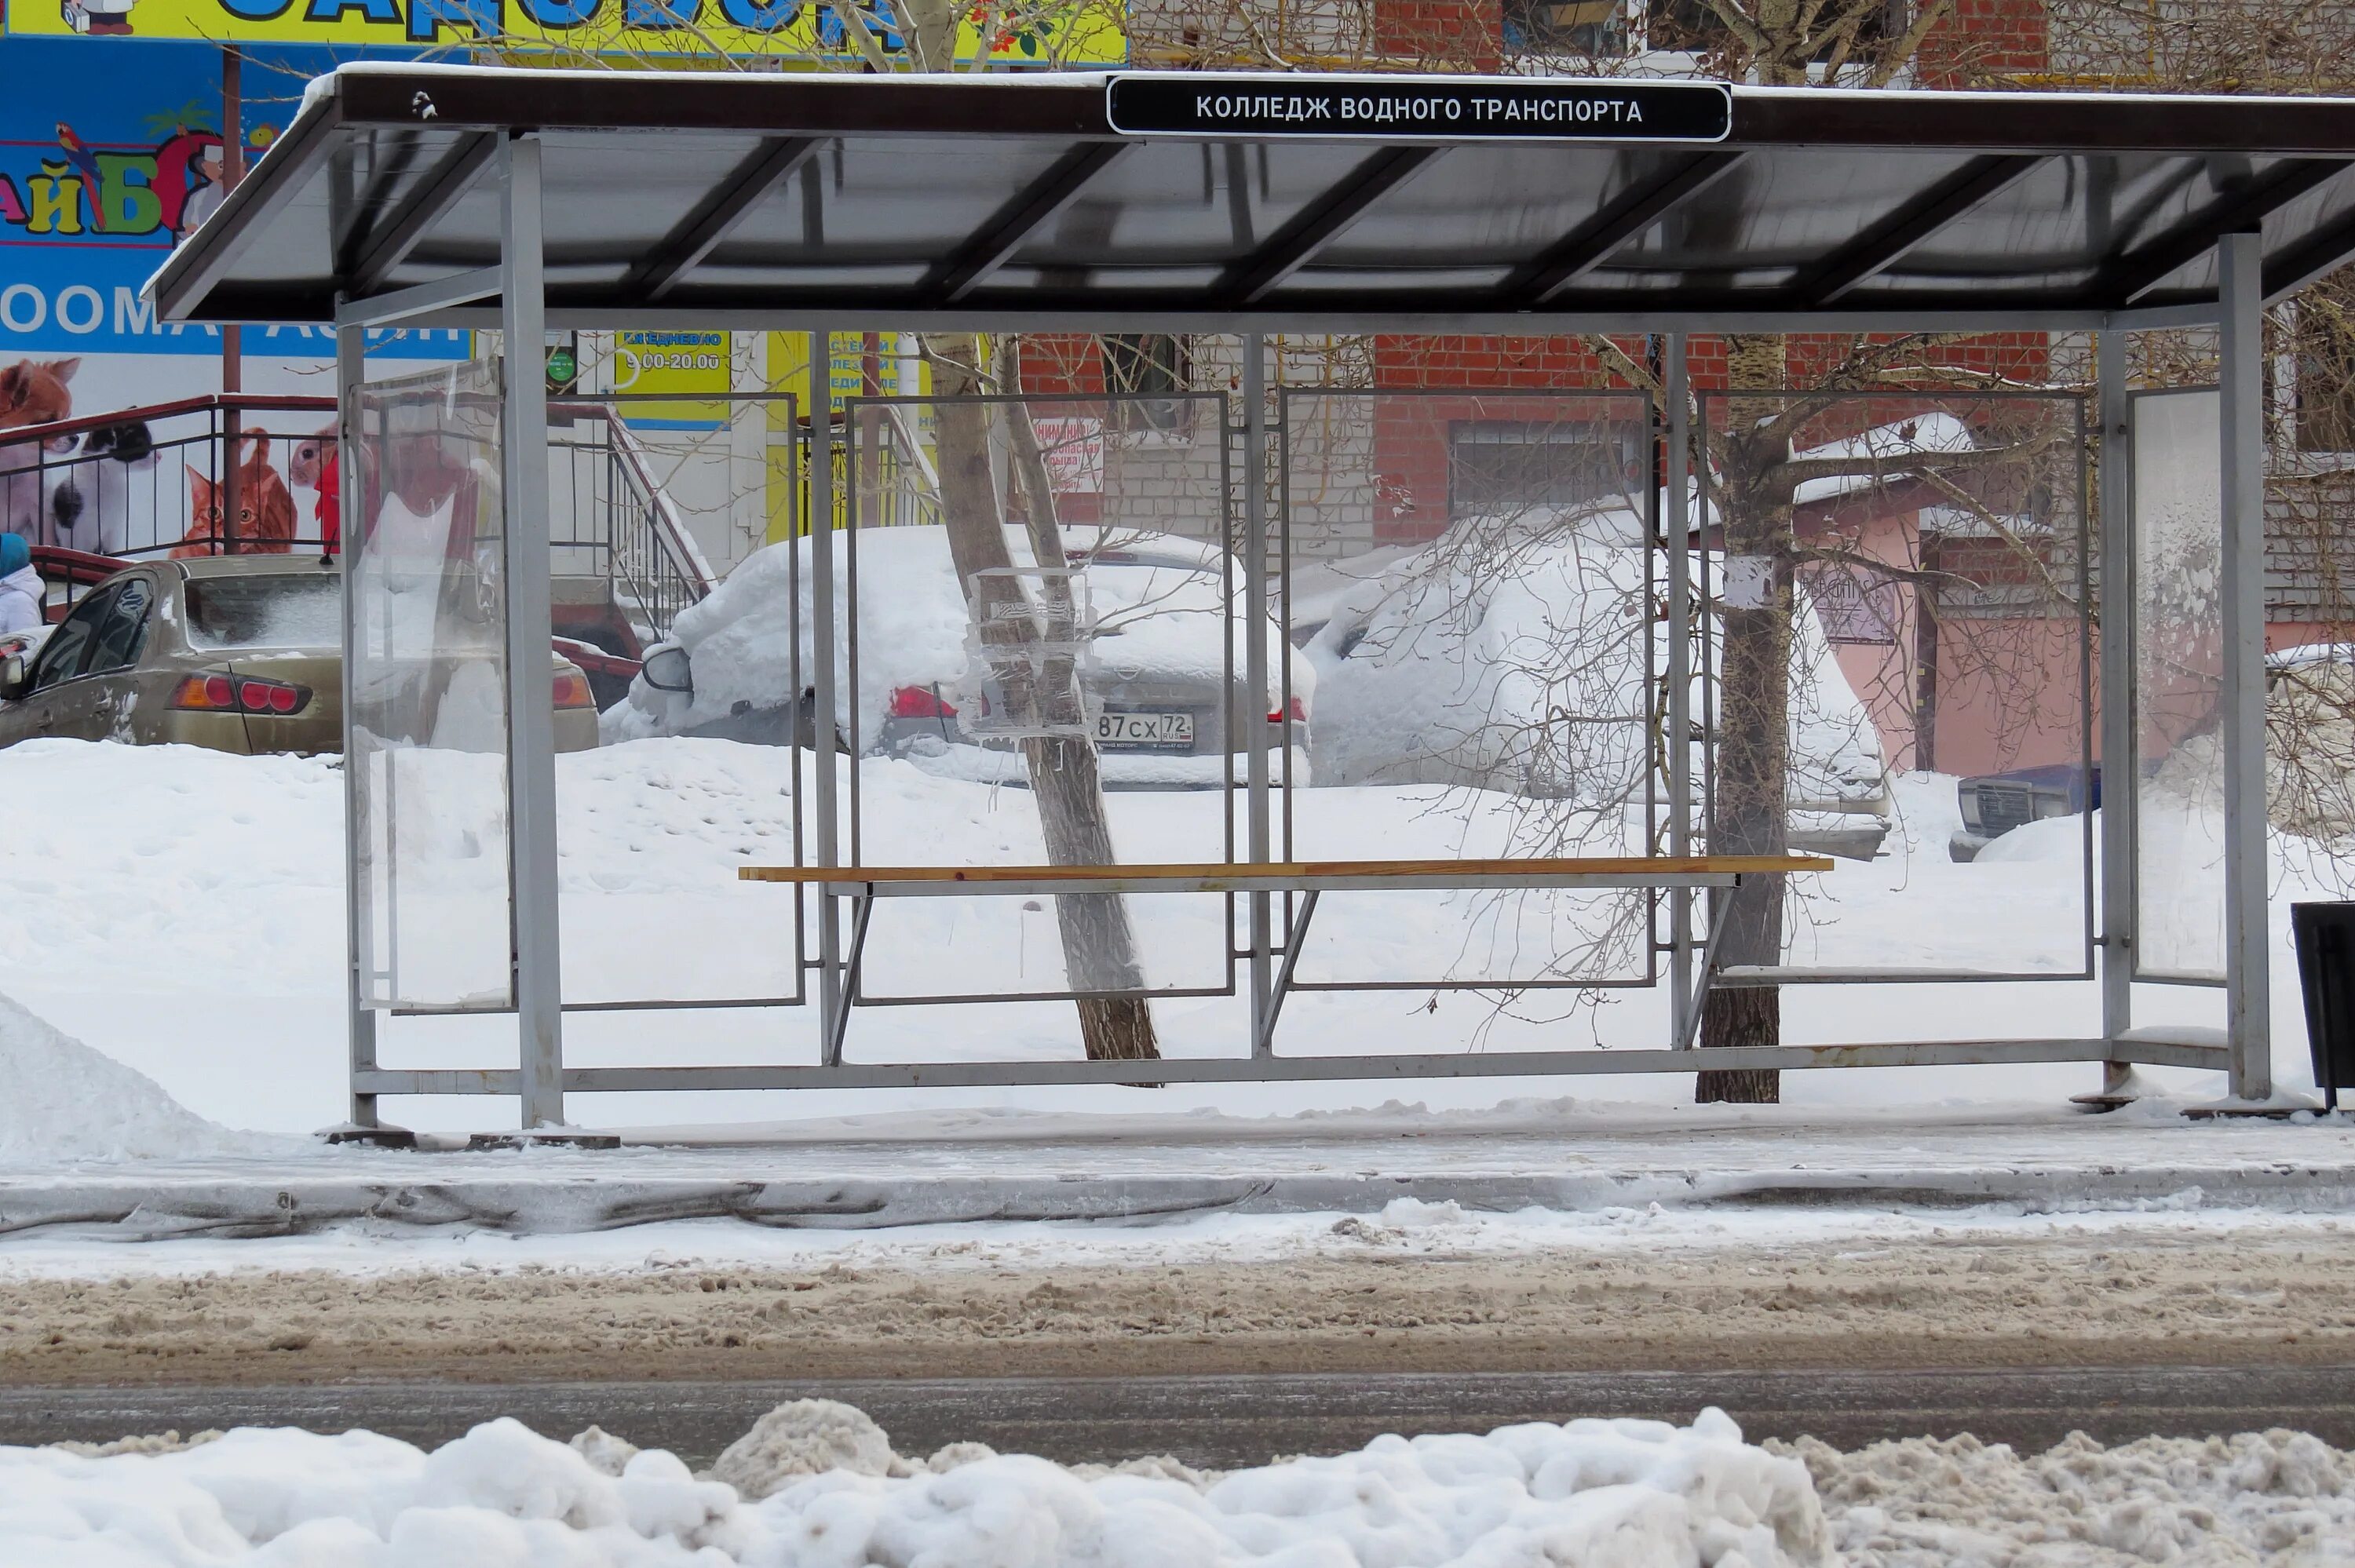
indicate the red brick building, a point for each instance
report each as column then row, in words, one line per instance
column 1433, row 428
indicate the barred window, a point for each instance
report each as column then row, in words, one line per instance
column 1148, row 375
column 2322, row 353
column 1613, row 28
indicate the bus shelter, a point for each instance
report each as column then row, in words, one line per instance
column 532, row 202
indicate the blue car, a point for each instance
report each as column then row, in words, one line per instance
column 1994, row 803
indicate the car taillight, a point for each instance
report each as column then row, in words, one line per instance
column 920, row 702
column 1296, row 710
column 572, row 690
column 242, row 693
column 207, row 694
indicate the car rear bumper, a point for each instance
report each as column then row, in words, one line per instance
column 212, row 731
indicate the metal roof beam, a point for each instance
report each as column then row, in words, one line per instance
column 1538, row 280
column 2323, row 253
column 1886, row 243
column 397, row 159
column 1297, row 242
column 421, row 299
column 1030, row 210
column 684, row 248
column 433, row 196
column 2139, row 273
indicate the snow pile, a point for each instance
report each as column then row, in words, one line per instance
column 1610, row 1494
column 2283, row 1497
column 806, row 1437
column 65, row 1101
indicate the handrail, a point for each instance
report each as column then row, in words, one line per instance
column 228, row 402
column 661, row 564
column 677, row 541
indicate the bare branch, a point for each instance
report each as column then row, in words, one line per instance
column 1818, row 554
column 1900, row 465
column 1898, row 55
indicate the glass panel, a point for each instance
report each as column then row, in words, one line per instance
column 1468, row 580
column 428, row 679
column 663, row 790
column 1045, row 660
column 2178, row 686
column 1897, row 678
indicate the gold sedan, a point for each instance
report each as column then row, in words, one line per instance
column 238, row 653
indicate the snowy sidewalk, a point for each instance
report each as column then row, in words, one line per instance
column 886, row 1173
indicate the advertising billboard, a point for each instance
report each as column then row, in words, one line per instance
column 106, row 168
column 1083, row 33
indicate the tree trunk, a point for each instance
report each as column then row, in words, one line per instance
column 1040, row 688
column 1753, row 720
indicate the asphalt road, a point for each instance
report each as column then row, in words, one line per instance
column 1228, row 1421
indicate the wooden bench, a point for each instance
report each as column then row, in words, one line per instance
column 1286, row 876
column 863, row 884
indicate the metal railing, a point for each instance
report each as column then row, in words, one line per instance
column 160, row 480
column 614, row 520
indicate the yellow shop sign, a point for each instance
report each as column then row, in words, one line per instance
column 1086, row 33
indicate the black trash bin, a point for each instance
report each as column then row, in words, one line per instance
column 2326, row 971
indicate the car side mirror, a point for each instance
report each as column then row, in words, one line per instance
column 13, row 677
column 669, row 670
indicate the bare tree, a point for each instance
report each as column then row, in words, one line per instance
column 1030, row 649
column 1026, row 645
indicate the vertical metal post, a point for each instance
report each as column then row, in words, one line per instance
column 2119, row 703
column 821, row 738
column 2248, row 1015
column 532, row 715
column 360, row 1025
column 1675, row 392
column 233, row 151
column 1256, row 728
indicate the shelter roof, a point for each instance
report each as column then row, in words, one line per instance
column 1224, row 202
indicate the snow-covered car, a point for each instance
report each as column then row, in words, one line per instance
column 1513, row 658
column 1161, row 680
column 1993, row 804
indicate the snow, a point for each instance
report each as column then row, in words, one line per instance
column 816, row 1482
column 1613, row 1494
column 66, row 1102
column 1404, row 1230
column 2277, row 1498
column 182, row 911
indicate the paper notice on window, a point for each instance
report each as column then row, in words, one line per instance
column 1749, row 582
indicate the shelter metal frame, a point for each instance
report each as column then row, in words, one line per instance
column 2085, row 541
column 2253, row 200
column 853, row 822
column 1295, row 921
